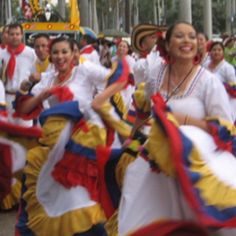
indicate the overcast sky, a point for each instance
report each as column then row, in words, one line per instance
column 55, row 1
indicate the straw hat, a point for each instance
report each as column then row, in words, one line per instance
column 140, row 31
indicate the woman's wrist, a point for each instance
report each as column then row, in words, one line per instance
column 186, row 120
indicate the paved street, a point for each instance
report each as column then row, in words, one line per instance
column 7, row 221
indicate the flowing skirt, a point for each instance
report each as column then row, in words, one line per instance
column 150, row 196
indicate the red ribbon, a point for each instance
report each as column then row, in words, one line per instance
column 12, row 61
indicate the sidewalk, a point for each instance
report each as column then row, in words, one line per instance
column 7, row 223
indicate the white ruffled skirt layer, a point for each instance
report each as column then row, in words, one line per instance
column 149, row 196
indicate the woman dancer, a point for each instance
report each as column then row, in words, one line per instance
column 63, row 185
column 192, row 178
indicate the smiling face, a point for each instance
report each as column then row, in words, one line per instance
column 62, row 56
column 122, row 49
column 182, row 44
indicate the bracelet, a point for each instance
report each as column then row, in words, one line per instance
column 186, row 120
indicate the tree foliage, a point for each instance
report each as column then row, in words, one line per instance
column 146, row 12
column 172, row 11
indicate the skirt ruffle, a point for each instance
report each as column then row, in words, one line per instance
column 47, row 207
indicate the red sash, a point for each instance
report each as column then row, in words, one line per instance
column 12, row 61
column 87, row 50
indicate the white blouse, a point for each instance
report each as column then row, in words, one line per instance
column 224, row 71
column 86, row 78
column 204, row 95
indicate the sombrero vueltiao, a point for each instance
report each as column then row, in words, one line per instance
column 142, row 30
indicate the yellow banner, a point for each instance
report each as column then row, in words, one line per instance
column 74, row 13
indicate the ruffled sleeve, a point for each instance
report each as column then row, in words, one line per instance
column 96, row 74
column 223, row 133
column 214, row 90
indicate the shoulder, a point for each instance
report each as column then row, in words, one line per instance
column 88, row 67
column 154, row 65
column 29, row 49
column 227, row 65
column 29, row 52
column 209, row 81
column 85, row 65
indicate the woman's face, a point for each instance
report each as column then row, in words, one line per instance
column 122, row 49
column 202, row 42
column 217, row 53
column 62, row 56
column 183, row 42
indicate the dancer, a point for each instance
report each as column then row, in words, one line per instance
column 63, row 183
column 181, row 168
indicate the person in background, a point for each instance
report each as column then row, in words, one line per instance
column 230, row 50
column 144, row 43
column 4, row 38
column 105, row 53
column 72, row 132
column 217, row 64
column 4, row 42
column 18, row 60
column 76, row 51
column 144, row 39
column 124, row 51
column 41, row 47
column 223, row 71
column 87, row 49
column 113, row 47
column 202, row 48
column 42, row 63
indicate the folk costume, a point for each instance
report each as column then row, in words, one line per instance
column 15, row 140
column 90, row 53
column 64, row 190
column 16, row 65
column 182, row 172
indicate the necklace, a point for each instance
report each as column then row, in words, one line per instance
column 61, row 79
column 170, row 94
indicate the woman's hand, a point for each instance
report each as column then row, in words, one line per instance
column 35, row 77
column 44, row 95
column 25, row 85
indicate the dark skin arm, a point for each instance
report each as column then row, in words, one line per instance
column 188, row 120
column 111, row 90
column 27, row 106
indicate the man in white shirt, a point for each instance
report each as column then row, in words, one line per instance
column 17, row 62
column 144, row 42
column 87, row 49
